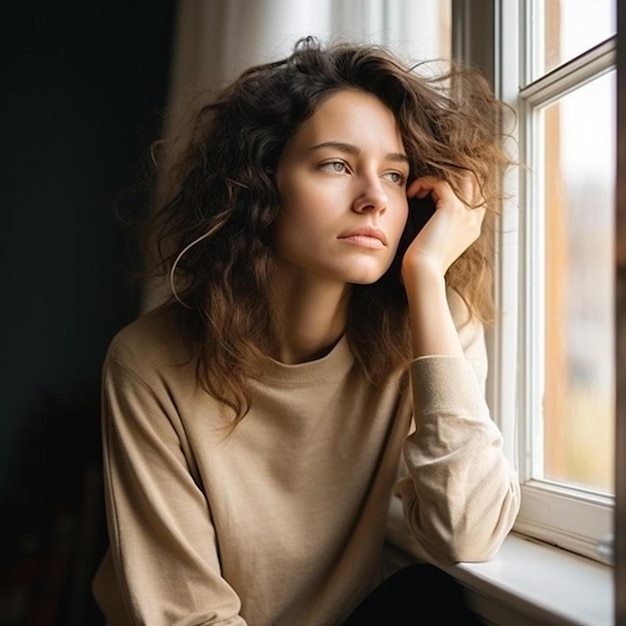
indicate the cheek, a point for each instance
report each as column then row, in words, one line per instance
column 291, row 227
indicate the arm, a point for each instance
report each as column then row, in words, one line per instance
column 462, row 495
column 162, row 541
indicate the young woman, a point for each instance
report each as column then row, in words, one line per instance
column 326, row 234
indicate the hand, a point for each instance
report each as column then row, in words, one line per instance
column 453, row 227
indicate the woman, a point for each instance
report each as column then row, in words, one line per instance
column 326, row 236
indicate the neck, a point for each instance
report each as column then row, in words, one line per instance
column 310, row 316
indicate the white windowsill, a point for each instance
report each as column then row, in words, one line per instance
column 526, row 583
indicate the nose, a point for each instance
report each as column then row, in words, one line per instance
column 371, row 196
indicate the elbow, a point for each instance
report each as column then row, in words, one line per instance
column 473, row 537
column 463, row 547
column 472, row 552
column 480, row 539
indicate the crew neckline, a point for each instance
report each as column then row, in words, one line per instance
column 338, row 359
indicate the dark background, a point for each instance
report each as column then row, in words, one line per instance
column 82, row 91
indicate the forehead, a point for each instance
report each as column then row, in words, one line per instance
column 351, row 116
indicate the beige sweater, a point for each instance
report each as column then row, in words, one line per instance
column 282, row 522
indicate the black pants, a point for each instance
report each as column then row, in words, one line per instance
column 415, row 595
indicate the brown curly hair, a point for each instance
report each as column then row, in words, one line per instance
column 215, row 211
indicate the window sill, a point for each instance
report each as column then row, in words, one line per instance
column 527, row 582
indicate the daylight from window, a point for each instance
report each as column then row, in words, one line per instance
column 579, row 131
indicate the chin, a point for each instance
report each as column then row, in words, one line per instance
column 368, row 276
column 363, row 282
column 357, row 275
column 366, row 279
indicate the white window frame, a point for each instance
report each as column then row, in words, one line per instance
column 489, row 34
column 571, row 518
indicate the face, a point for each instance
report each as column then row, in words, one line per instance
column 342, row 185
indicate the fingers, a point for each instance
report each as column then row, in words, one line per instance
column 439, row 189
column 453, row 227
column 425, row 185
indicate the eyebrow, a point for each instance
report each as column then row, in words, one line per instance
column 352, row 149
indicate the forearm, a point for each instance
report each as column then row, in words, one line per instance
column 463, row 495
column 433, row 330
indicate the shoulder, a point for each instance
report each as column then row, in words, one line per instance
column 151, row 341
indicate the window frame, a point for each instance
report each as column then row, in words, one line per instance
column 561, row 516
column 568, row 517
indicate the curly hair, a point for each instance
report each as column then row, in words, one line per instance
column 214, row 216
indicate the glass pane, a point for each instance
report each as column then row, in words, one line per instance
column 579, row 131
column 563, row 29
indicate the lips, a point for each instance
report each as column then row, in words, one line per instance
column 367, row 236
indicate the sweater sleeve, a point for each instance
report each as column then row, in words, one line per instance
column 163, row 557
column 461, row 496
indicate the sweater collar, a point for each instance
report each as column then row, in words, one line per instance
column 338, row 360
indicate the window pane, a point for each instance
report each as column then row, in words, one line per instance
column 563, row 29
column 579, row 131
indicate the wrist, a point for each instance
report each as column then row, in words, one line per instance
column 422, row 274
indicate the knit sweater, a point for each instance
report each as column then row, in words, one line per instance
column 281, row 522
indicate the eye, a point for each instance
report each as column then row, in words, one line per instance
column 338, row 167
column 396, row 178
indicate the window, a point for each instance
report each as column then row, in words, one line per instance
column 554, row 351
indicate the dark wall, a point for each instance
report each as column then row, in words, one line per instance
column 82, row 89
